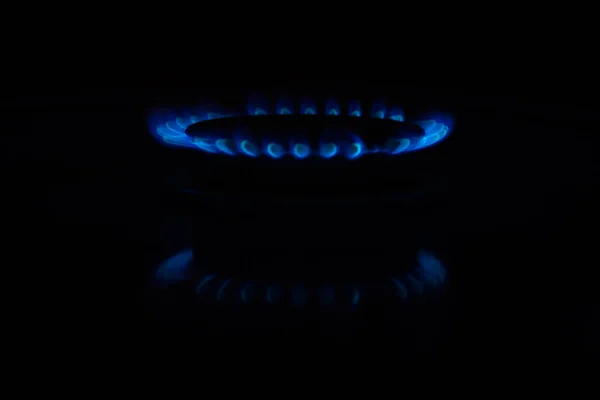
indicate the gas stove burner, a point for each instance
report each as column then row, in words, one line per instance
column 427, row 275
column 308, row 128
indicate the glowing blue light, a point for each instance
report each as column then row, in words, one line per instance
column 206, row 145
column 215, row 115
column 431, row 269
column 354, row 109
column 402, row 291
column 166, row 132
column 395, row 146
column 275, row 150
column 202, row 284
column 225, row 146
column 427, row 125
column 169, row 128
column 354, row 150
column 444, row 132
column 332, row 108
column 284, row 107
column 378, row 110
column 328, row 150
column 249, row 148
column 396, row 114
column 175, row 128
column 436, row 129
column 429, row 139
column 174, row 268
column 180, row 142
column 301, row 150
column 221, row 291
column 308, row 107
column 427, row 273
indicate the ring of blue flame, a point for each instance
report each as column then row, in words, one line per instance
column 427, row 273
column 168, row 126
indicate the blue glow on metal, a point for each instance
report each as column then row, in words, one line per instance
column 168, row 126
column 428, row 273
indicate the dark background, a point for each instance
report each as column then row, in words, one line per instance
column 522, row 216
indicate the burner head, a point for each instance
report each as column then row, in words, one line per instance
column 304, row 129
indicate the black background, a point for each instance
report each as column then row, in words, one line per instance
column 523, row 200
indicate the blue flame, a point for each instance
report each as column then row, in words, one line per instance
column 396, row 114
column 275, row 150
column 328, row 150
column 169, row 128
column 203, row 282
column 332, row 108
column 284, row 107
column 249, row 148
column 301, row 150
column 354, row 149
column 174, row 268
column 354, row 109
column 428, row 273
column 308, row 107
column 378, row 110
column 225, row 146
